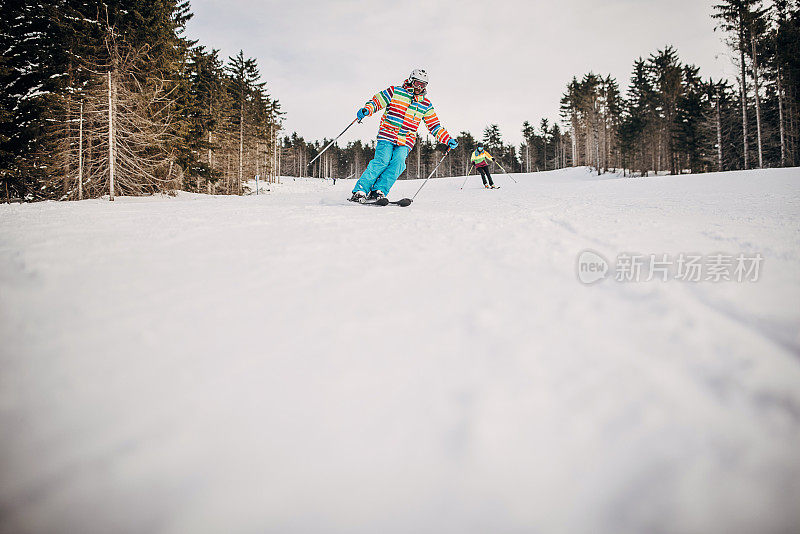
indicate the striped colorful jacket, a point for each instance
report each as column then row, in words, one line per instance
column 479, row 158
column 404, row 110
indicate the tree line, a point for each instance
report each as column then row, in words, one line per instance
column 672, row 120
column 543, row 149
column 111, row 98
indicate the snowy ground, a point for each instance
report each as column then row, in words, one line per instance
column 294, row 363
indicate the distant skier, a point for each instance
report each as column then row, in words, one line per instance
column 479, row 158
column 405, row 105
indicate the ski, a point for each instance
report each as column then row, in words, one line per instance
column 380, row 202
column 403, row 202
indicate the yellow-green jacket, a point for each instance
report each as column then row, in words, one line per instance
column 479, row 158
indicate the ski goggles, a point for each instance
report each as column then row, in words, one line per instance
column 418, row 84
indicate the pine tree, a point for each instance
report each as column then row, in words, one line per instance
column 204, row 101
column 785, row 63
column 689, row 138
column 492, row 137
column 528, row 133
column 667, row 75
column 757, row 34
column 244, row 80
column 637, row 111
column 733, row 17
column 32, row 74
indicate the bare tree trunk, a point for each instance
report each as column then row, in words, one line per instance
column 89, row 142
column 587, row 147
column 67, row 147
column 758, row 100
column 111, row 138
column 573, row 145
column 560, row 152
column 277, row 158
column 68, row 133
column 527, row 155
column 241, row 149
column 80, row 155
column 605, row 144
column 227, row 173
column 743, row 83
column 544, row 151
column 597, row 149
column 258, row 166
column 780, row 118
column 653, row 164
column 208, row 154
column 557, row 154
column 659, row 144
column 210, row 164
column 719, row 136
column 791, row 138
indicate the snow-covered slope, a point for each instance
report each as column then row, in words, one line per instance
column 291, row 362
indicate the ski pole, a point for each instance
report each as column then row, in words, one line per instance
column 431, row 174
column 331, row 143
column 506, row 172
column 466, row 177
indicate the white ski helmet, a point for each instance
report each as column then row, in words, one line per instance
column 419, row 74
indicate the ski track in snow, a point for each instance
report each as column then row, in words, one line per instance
column 291, row 362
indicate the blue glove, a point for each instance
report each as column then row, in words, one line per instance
column 363, row 112
column 452, row 143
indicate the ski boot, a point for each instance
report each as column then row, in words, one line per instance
column 380, row 198
column 358, row 196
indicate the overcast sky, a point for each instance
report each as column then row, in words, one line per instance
column 500, row 61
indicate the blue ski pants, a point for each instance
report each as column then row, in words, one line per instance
column 382, row 172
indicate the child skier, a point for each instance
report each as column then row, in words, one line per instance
column 479, row 158
column 405, row 105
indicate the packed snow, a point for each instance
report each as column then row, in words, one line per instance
column 291, row 362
